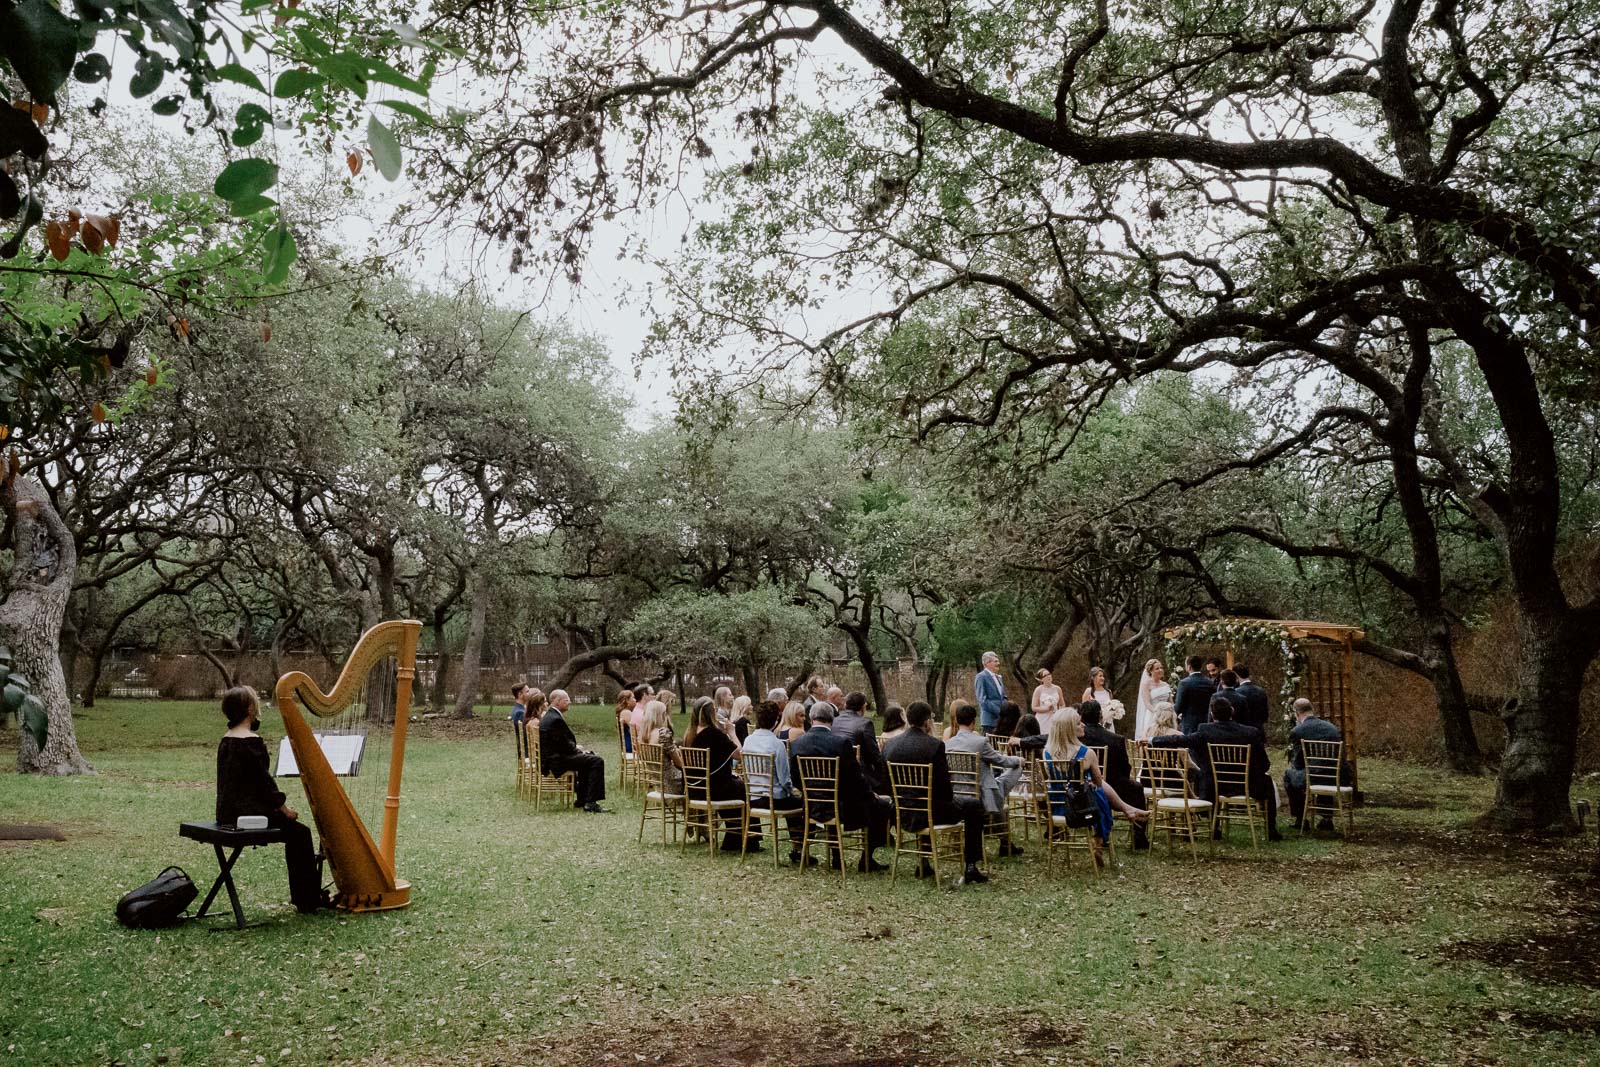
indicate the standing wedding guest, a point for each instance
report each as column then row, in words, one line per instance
column 1153, row 690
column 625, row 705
column 245, row 787
column 1257, row 706
column 717, row 739
column 815, row 687
column 1213, row 668
column 1309, row 726
column 992, row 789
column 1223, row 730
column 1065, row 746
column 779, row 794
column 1194, row 696
column 858, row 806
column 1096, row 689
column 656, row 729
column 1118, row 771
column 990, row 690
column 794, row 721
column 1047, row 698
column 559, row 753
column 918, row 745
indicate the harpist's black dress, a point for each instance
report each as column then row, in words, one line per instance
column 245, row 787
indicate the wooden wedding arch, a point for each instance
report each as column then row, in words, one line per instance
column 1317, row 662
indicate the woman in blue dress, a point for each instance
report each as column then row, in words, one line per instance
column 1064, row 747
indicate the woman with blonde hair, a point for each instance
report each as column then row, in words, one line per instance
column 794, row 721
column 656, row 729
column 740, row 717
column 1153, row 691
column 1065, row 746
column 1163, row 721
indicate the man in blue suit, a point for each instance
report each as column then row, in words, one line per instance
column 990, row 689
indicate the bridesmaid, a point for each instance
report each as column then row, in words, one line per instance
column 1097, row 687
column 1046, row 699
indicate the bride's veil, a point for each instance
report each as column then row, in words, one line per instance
column 1143, row 708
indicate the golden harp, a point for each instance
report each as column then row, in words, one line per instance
column 363, row 721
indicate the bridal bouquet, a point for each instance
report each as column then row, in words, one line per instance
column 1115, row 711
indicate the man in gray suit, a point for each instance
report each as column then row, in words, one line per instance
column 1309, row 726
column 855, row 727
column 992, row 790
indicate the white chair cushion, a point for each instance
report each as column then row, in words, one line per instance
column 1331, row 790
column 656, row 794
column 1179, row 804
column 717, row 804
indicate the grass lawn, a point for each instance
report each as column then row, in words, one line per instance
column 557, row 938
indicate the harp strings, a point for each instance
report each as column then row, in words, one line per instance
column 370, row 717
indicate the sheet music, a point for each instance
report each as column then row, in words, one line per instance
column 343, row 752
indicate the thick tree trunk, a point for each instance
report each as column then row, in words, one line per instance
column 797, row 685
column 69, row 659
column 42, row 570
column 1535, row 785
column 752, row 679
column 1056, row 647
column 439, row 692
column 1455, row 716
column 97, row 667
column 861, row 636
column 472, row 650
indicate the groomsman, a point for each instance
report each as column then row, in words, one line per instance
column 1257, row 706
column 1194, row 696
column 990, row 689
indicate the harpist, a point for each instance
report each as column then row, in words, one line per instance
column 245, row 787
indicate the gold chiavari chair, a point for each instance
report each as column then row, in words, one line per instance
column 524, row 786
column 911, row 786
column 819, row 792
column 1172, row 806
column 700, row 811
column 1230, row 773
column 1022, row 809
column 965, row 774
column 667, row 806
column 1325, row 787
column 759, row 772
column 564, row 787
column 627, row 769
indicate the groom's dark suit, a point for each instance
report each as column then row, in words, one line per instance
column 1194, row 701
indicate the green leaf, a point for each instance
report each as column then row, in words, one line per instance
column 12, row 696
column 35, row 721
column 385, row 149
column 239, row 74
column 408, row 109
column 292, row 83
column 252, row 120
column 250, row 205
column 40, row 43
column 167, row 105
column 383, row 72
column 147, row 75
column 279, row 253
column 346, row 69
column 169, row 24
column 245, row 178
column 92, row 68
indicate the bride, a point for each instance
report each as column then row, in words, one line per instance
column 1153, row 691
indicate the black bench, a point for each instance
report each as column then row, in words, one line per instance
column 220, row 835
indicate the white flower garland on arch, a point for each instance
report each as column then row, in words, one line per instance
column 1231, row 633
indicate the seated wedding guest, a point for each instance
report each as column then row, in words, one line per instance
column 739, row 714
column 780, row 795
column 533, row 704
column 815, row 688
column 859, row 806
column 1257, row 705
column 1028, row 729
column 518, row 710
column 1065, row 745
column 992, row 789
column 656, row 729
column 918, row 745
column 894, row 722
column 854, row 726
column 950, row 710
column 793, row 723
column 723, row 699
column 559, row 753
column 1006, row 724
column 245, row 787
column 667, row 697
column 625, row 719
column 717, row 739
column 1309, row 726
column 1164, row 721
column 1223, row 730
column 642, row 695
column 1118, row 771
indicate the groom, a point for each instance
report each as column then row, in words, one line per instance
column 1194, row 697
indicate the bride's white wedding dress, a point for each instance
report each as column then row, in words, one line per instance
column 1151, row 694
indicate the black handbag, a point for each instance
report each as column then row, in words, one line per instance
column 1080, row 801
column 159, row 902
